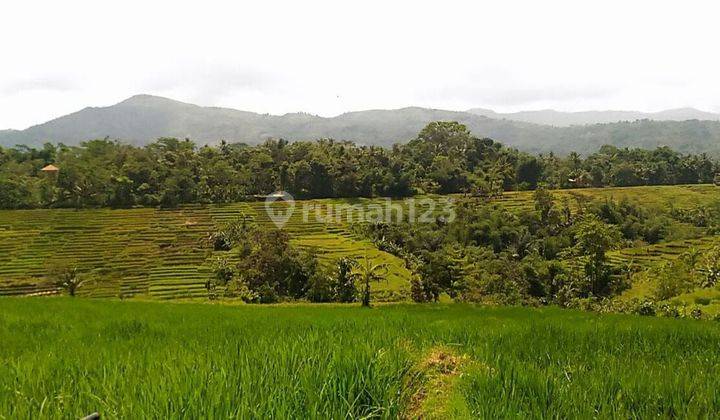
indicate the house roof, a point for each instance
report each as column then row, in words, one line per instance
column 50, row 168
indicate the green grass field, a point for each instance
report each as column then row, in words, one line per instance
column 159, row 254
column 64, row 358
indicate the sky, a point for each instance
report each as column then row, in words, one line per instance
column 330, row 57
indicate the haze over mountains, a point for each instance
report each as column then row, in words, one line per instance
column 144, row 118
column 565, row 119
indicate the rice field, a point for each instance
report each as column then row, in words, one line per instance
column 160, row 254
column 66, row 358
column 657, row 197
column 155, row 254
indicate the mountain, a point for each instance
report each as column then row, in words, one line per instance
column 143, row 118
column 566, row 119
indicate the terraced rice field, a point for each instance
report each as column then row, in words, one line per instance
column 150, row 253
column 648, row 256
column 658, row 197
column 160, row 254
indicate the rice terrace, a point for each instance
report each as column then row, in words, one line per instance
column 359, row 210
column 160, row 254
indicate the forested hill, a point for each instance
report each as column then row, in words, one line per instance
column 143, row 118
column 566, row 119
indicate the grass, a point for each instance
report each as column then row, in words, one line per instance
column 65, row 358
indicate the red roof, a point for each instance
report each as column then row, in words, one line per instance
column 50, row 168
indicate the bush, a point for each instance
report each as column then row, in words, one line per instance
column 704, row 301
column 696, row 313
column 645, row 308
column 320, row 287
column 239, row 289
column 417, row 290
column 668, row 311
column 230, row 235
column 673, row 279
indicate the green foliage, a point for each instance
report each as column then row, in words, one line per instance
column 440, row 271
column 66, row 277
column 321, row 287
column 672, row 279
column 230, row 235
column 272, row 268
column 710, row 267
column 345, row 280
column 366, row 271
column 444, row 158
column 593, row 239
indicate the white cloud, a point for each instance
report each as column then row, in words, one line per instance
column 328, row 57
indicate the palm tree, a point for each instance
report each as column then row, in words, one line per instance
column 367, row 271
column 66, row 278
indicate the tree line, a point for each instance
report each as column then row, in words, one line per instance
column 444, row 158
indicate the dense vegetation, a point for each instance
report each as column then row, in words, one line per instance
column 65, row 359
column 556, row 248
column 556, row 252
column 444, row 158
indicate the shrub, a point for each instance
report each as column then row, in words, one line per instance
column 668, row 311
column 320, row 287
column 673, row 278
column 272, row 268
column 696, row 313
column 239, row 289
column 230, row 235
column 704, row 301
column 645, row 308
column 710, row 267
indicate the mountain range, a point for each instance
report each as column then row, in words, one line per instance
column 143, row 118
column 566, row 119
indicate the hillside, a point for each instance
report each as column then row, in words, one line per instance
column 565, row 119
column 159, row 254
column 154, row 254
column 144, row 118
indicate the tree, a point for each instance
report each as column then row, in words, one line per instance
column 593, row 239
column 439, row 272
column 368, row 272
column 271, row 268
column 544, row 204
column 66, row 277
column 222, row 275
column 320, row 286
column 529, row 171
column 345, row 279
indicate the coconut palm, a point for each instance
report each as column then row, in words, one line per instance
column 367, row 271
column 66, row 278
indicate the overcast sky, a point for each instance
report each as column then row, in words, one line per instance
column 336, row 56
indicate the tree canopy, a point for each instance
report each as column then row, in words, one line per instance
column 444, row 158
